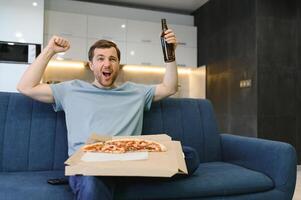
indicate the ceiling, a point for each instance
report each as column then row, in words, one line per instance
column 174, row 6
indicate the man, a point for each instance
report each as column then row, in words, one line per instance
column 100, row 106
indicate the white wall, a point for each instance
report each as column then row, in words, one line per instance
column 19, row 16
column 117, row 11
column 10, row 75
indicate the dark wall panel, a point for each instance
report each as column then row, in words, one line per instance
column 227, row 44
column 298, row 81
column 258, row 40
column 277, row 54
column 298, row 117
column 281, row 9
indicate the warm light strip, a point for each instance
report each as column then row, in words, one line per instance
column 69, row 64
column 128, row 68
column 153, row 69
column 132, row 68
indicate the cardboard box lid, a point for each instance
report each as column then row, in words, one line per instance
column 159, row 164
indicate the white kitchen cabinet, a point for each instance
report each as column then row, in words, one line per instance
column 20, row 21
column 78, row 48
column 121, row 46
column 139, row 41
column 145, row 38
column 186, row 52
column 65, row 24
column 143, row 43
column 107, row 28
column 143, row 32
column 186, row 35
column 144, row 54
column 186, row 56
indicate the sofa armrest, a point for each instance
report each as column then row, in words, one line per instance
column 275, row 159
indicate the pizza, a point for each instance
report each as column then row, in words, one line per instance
column 124, row 145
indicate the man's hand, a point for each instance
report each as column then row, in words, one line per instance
column 58, row 44
column 170, row 37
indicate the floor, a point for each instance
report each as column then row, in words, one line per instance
column 297, row 195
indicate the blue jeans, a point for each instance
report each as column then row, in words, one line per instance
column 92, row 187
column 102, row 188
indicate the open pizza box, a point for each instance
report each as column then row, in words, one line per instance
column 148, row 164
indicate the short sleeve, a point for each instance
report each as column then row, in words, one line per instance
column 148, row 92
column 58, row 92
column 149, row 95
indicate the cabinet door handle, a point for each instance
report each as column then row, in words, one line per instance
column 146, row 41
column 181, row 65
column 146, row 63
column 182, row 43
column 66, row 34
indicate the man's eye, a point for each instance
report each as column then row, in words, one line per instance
column 113, row 59
column 100, row 59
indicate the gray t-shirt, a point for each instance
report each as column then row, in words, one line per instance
column 90, row 109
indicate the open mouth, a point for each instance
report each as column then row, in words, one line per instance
column 106, row 74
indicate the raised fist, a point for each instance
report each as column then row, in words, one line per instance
column 58, row 44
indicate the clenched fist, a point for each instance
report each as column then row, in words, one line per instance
column 58, row 44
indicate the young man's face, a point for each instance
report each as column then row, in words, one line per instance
column 105, row 66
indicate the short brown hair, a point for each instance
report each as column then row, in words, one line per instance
column 102, row 44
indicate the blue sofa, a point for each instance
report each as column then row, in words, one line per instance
column 33, row 148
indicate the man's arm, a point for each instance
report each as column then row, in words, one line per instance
column 169, row 85
column 29, row 84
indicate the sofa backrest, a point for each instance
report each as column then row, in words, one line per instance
column 190, row 121
column 33, row 136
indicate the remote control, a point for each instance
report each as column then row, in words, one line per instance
column 58, row 181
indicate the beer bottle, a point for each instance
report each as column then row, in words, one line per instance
column 168, row 49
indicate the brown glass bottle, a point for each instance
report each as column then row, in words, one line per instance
column 168, row 49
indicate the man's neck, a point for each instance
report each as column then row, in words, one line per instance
column 97, row 84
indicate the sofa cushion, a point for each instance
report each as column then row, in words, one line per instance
column 210, row 179
column 33, row 186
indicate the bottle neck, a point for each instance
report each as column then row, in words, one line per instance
column 164, row 25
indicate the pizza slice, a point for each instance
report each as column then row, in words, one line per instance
column 94, row 147
column 125, row 145
column 136, row 145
